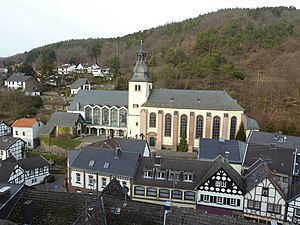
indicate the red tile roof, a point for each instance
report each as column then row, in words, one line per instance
column 24, row 122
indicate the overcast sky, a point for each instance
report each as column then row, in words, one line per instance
column 27, row 24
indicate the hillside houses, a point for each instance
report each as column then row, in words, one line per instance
column 21, row 81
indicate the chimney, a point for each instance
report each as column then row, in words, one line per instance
column 226, row 156
column 117, row 153
column 28, row 211
column 78, row 106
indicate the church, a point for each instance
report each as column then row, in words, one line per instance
column 161, row 116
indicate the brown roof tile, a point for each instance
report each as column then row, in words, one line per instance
column 24, row 122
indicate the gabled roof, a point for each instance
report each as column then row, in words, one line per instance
column 125, row 144
column 209, row 149
column 278, row 158
column 19, row 77
column 25, row 122
column 61, row 119
column 33, row 162
column 192, row 99
column 114, row 189
column 293, row 191
column 6, row 168
column 104, row 161
column 257, row 173
column 252, row 124
column 100, row 98
column 79, row 83
column 199, row 168
column 219, row 164
column 7, row 141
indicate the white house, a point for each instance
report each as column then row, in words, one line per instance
column 28, row 130
column 11, row 146
column 264, row 200
column 66, row 69
column 80, row 84
column 21, row 81
column 11, row 172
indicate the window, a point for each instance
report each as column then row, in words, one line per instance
column 114, row 118
column 188, row 176
column 124, row 183
column 105, row 117
column 174, row 175
column 135, row 106
column 161, row 174
column 152, row 122
column 285, row 179
column 274, row 208
column 265, row 192
column 297, row 212
column 218, row 183
column 216, row 127
column 33, row 181
column 136, row 123
column 138, row 190
column 151, row 192
column 41, row 169
column 96, row 115
column 24, row 134
column 183, row 126
column 147, row 173
column 104, row 182
column 233, row 201
column 199, row 126
column 77, row 191
column 176, row 194
column 88, row 115
column 91, row 180
column 78, row 178
column 232, row 128
column 17, row 132
column 123, row 118
column 253, row 204
column 205, row 198
column 29, row 143
column 168, row 122
column 219, row 200
column 164, row 193
column 189, row 196
column 223, row 184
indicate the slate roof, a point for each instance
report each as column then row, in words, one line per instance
column 62, row 119
column 192, row 99
column 199, row 168
column 252, row 124
column 257, row 173
column 122, row 166
column 33, row 162
column 219, row 164
column 267, row 138
column 293, row 191
column 125, row 144
column 72, row 154
column 209, row 149
column 7, row 141
column 19, row 77
column 99, row 97
column 25, row 122
column 6, row 168
column 280, row 158
column 79, row 82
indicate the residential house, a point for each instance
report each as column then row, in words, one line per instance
column 66, row 69
column 79, row 68
column 23, row 82
column 5, row 129
column 91, row 67
column 101, row 72
column 12, row 146
column 28, row 129
column 232, row 150
column 92, row 168
column 29, row 171
column 35, row 169
column 64, row 124
column 80, row 84
column 158, row 180
column 293, row 210
column 264, row 199
column 221, row 190
column 3, row 70
column 280, row 159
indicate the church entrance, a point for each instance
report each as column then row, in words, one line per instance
column 152, row 142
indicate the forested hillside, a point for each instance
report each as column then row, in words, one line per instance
column 253, row 54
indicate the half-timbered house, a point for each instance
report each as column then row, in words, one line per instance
column 11, row 146
column 4, row 129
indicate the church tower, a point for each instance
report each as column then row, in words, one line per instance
column 140, row 86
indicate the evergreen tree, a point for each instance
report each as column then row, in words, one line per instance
column 183, row 146
column 241, row 135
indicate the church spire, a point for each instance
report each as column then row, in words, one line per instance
column 141, row 70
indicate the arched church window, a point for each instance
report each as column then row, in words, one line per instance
column 183, row 126
column 216, row 127
column 123, row 118
column 88, row 114
column 96, row 115
column 199, row 126
column 232, row 128
column 114, row 118
column 168, row 125
column 152, row 122
column 105, row 117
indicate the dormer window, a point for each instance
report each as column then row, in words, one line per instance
column 188, row 176
column 147, row 173
column 91, row 163
column 174, row 175
column 161, row 174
